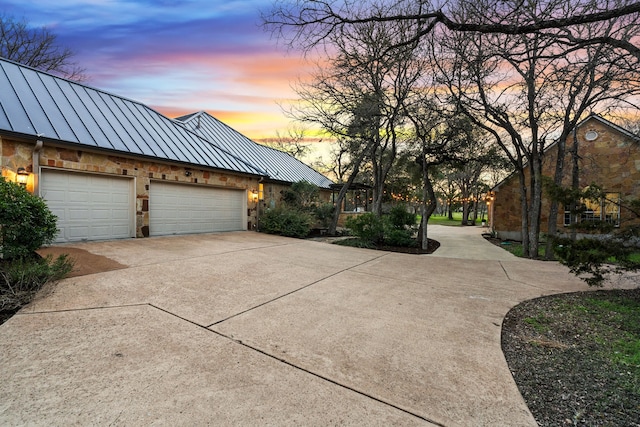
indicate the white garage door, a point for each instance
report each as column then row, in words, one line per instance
column 89, row 207
column 185, row 209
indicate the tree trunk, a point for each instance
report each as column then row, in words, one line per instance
column 552, row 226
column 429, row 205
column 524, row 205
column 535, row 207
column 575, row 181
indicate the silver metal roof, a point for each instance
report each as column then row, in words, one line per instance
column 43, row 106
column 279, row 165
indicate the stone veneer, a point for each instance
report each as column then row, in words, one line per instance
column 16, row 154
column 612, row 161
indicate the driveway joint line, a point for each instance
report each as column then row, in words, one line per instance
column 292, row 365
column 294, row 291
column 67, row 310
column 504, row 269
column 529, row 285
column 327, row 379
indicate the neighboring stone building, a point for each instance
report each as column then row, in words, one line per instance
column 110, row 167
column 609, row 157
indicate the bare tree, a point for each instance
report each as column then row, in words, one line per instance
column 528, row 88
column 308, row 23
column 292, row 142
column 37, row 48
column 359, row 99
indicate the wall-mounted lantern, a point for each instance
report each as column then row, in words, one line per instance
column 22, row 176
column 254, row 195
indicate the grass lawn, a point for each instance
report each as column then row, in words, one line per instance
column 516, row 248
column 444, row 220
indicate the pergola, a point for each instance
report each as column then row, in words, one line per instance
column 357, row 197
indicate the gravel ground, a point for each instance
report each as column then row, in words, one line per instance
column 563, row 353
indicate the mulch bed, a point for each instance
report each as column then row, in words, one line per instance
column 560, row 367
column 432, row 246
column 85, row 261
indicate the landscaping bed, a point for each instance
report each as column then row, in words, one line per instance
column 576, row 357
column 432, row 246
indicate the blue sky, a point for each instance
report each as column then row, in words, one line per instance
column 177, row 56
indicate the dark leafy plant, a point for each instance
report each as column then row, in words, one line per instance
column 394, row 229
column 606, row 249
column 368, row 227
column 400, row 218
column 21, row 278
column 26, row 223
column 287, row 222
column 324, row 214
column 403, row 238
column 594, row 259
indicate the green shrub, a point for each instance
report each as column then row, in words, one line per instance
column 21, row 278
column 26, row 223
column 324, row 214
column 368, row 227
column 400, row 218
column 392, row 230
column 286, row 222
column 395, row 237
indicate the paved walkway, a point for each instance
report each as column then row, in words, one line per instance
column 250, row 329
column 466, row 243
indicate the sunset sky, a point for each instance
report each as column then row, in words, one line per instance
column 177, row 56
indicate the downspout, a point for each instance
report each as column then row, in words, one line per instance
column 36, row 166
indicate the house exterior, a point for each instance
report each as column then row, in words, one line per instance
column 609, row 156
column 110, row 167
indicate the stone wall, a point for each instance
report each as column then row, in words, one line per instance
column 16, row 154
column 612, row 161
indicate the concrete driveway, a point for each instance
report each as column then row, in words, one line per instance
column 251, row 329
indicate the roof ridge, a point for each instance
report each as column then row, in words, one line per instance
column 113, row 123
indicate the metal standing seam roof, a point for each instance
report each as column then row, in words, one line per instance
column 43, row 106
column 278, row 165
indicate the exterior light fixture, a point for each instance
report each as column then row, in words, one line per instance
column 254, row 195
column 22, row 176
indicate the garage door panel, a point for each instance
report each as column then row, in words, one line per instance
column 120, row 199
column 75, row 215
column 185, row 209
column 89, row 207
column 76, row 233
column 74, row 196
column 100, row 198
column 120, row 214
column 100, row 215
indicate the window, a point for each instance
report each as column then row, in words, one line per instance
column 606, row 209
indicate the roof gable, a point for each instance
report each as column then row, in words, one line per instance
column 277, row 164
column 584, row 122
column 39, row 105
column 612, row 125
